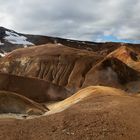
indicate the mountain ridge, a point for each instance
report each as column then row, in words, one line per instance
column 7, row 46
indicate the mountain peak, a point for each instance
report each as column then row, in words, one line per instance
column 12, row 37
column 2, row 32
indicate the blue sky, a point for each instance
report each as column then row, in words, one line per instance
column 114, row 39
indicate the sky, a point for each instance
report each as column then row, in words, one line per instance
column 93, row 20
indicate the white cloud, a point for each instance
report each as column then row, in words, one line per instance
column 78, row 19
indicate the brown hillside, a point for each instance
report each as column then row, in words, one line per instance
column 129, row 56
column 35, row 89
column 111, row 72
column 72, row 68
column 106, row 113
column 17, row 104
column 58, row 64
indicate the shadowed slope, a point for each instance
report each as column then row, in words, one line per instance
column 35, row 89
column 15, row 103
column 111, row 72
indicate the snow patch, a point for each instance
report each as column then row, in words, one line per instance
column 16, row 39
column 25, row 46
column 3, row 54
column 59, row 44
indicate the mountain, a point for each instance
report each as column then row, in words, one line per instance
column 55, row 88
column 11, row 40
column 58, row 64
column 71, row 68
column 13, row 37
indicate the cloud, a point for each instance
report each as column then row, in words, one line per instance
column 80, row 19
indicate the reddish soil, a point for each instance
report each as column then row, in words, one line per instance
column 100, row 116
